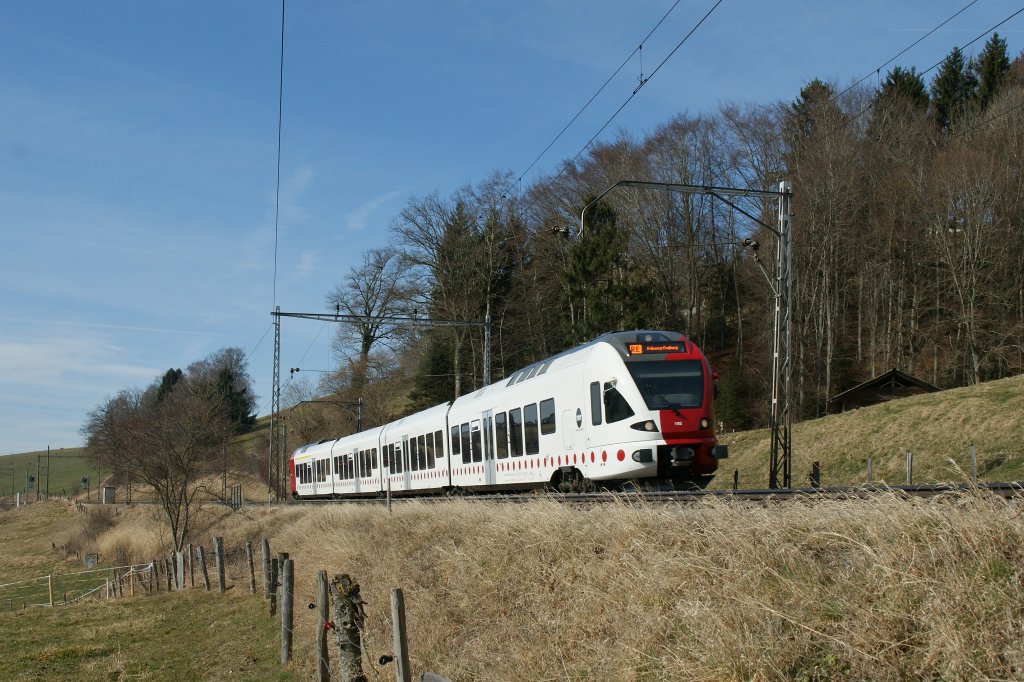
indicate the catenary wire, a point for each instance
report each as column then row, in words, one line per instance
column 638, row 87
column 625, row 61
column 280, row 117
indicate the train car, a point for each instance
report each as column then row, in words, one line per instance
column 346, row 467
column 629, row 407
column 414, row 450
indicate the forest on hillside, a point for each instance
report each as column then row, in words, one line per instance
column 907, row 247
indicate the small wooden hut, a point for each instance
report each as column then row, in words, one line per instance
column 893, row 384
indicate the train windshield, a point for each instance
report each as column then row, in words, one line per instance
column 669, row 384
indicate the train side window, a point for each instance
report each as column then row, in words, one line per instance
column 547, row 416
column 455, row 441
column 501, row 435
column 414, row 461
column 467, row 454
column 515, row 427
column 478, row 453
column 615, row 406
column 373, row 459
column 530, row 429
column 389, row 455
column 595, row 403
column 422, row 453
column 439, row 442
column 399, row 461
column 429, row 438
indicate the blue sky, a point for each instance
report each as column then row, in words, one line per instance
column 138, row 150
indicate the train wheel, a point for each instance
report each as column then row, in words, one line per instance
column 573, row 481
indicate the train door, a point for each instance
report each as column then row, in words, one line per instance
column 489, row 468
column 357, row 470
column 572, row 426
column 406, row 468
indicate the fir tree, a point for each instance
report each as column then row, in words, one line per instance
column 903, row 87
column 990, row 70
column 953, row 90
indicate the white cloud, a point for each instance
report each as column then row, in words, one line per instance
column 307, row 265
column 292, row 190
column 356, row 220
column 67, row 363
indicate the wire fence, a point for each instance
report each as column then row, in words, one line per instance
column 57, row 589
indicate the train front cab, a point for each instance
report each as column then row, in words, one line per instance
column 661, row 410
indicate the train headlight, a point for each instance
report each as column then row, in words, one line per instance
column 648, row 425
column 705, row 423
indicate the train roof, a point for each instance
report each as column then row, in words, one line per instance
column 617, row 339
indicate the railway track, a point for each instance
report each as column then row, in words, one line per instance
column 1006, row 490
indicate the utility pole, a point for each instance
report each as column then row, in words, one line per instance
column 780, row 423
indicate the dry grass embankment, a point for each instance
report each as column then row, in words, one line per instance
column 938, row 428
column 882, row 589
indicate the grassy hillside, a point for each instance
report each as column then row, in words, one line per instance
column 883, row 589
column 67, row 467
column 938, row 428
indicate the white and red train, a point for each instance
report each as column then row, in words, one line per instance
column 627, row 407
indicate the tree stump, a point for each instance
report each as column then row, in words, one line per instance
column 348, row 624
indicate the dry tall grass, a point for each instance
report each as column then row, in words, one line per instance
column 882, row 589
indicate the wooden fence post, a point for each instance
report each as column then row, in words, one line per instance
column 973, row 452
column 131, row 581
column 910, row 468
column 191, row 566
column 287, row 613
column 265, row 549
column 323, row 668
column 154, row 584
column 49, row 586
column 202, row 567
column 273, row 587
column 348, row 624
column 167, row 573
column 815, row 474
column 252, row 568
column 870, row 472
column 218, row 546
column 398, row 634
column 179, row 570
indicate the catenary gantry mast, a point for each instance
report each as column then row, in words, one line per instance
column 779, row 466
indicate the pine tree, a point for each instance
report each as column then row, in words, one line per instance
column 990, row 70
column 593, row 275
column 810, row 109
column 953, row 90
column 903, row 87
column 435, row 381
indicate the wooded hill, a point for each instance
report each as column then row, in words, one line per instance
column 907, row 250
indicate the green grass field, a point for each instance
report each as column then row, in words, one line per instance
column 67, row 467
